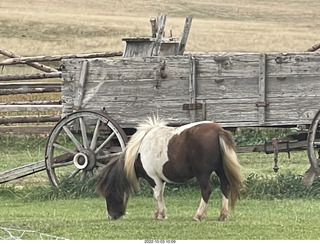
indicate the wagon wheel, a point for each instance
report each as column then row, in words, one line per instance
column 81, row 143
column 313, row 143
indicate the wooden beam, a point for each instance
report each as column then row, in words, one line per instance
column 29, row 87
column 23, row 129
column 29, row 119
column 30, row 107
column 314, row 48
column 157, row 43
column 19, row 103
column 81, row 86
column 24, row 60
column 262, row 89
column 154, row 27
column 22, row 171
column 185, row 34
column 16, row 85
column 30, row 76
column 36, row 65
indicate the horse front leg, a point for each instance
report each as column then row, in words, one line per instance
column 201, row 211
column 160, row 208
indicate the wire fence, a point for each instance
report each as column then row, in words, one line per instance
column 20, row 234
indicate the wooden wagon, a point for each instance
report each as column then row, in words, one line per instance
column 103, row 100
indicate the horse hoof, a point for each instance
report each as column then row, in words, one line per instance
column 223, row 217
column 159, row 217
column 198, row 218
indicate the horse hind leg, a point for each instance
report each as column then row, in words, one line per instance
column 205, row 192
column 224, row 209
column 224, row 186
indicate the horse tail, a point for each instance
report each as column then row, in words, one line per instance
column 231, row 166
column 133, row 146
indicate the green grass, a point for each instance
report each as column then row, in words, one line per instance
column 274, row 205
column 86, row 219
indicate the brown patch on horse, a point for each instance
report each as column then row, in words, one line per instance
column 193, row 152
column 140, row 172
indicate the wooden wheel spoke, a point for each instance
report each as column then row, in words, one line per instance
column 90, row 173
column 83, row 176
column 57, row 145
column 104, row 143
column 95, row 136
column 84, row 133
column 73, row 138
column 74, row 173
column 62, row 164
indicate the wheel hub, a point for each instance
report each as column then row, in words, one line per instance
column 84, row 160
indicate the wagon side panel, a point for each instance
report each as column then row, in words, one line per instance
column 228, row 85
column 131, row 89
column 293, row 90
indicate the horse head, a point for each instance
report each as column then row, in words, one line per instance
column 114, row 186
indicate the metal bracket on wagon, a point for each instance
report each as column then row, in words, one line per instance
column 191, row 106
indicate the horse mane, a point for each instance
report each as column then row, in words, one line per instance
column 134, row 145
column 112, row 178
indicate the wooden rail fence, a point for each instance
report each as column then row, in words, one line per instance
column 15, row 84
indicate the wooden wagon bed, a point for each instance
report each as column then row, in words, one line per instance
column 233, row 89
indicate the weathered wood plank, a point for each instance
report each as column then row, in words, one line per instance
column 185, row 34
column 30, row 129
column 262, row 103
column 29, row 107
column 20, row 171
column 36, row 65
column 29, row 119
column 161, row 20
column 81, row 86
column 23, row 60
column 30, row 76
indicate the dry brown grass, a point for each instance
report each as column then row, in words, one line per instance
column 43, row 27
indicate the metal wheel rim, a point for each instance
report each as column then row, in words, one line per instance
column 311, row 142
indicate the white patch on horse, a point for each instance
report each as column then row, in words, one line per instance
column 154, row 151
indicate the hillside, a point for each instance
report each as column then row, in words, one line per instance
column 43, row 27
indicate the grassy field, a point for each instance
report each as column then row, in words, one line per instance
column 275, row 206
column 49, row 27
column 85, row 219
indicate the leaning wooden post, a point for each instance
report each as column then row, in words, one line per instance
column 154, row 27
column 185, row 35
column 314, row 48
column 157, row 43
column 80, row 89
